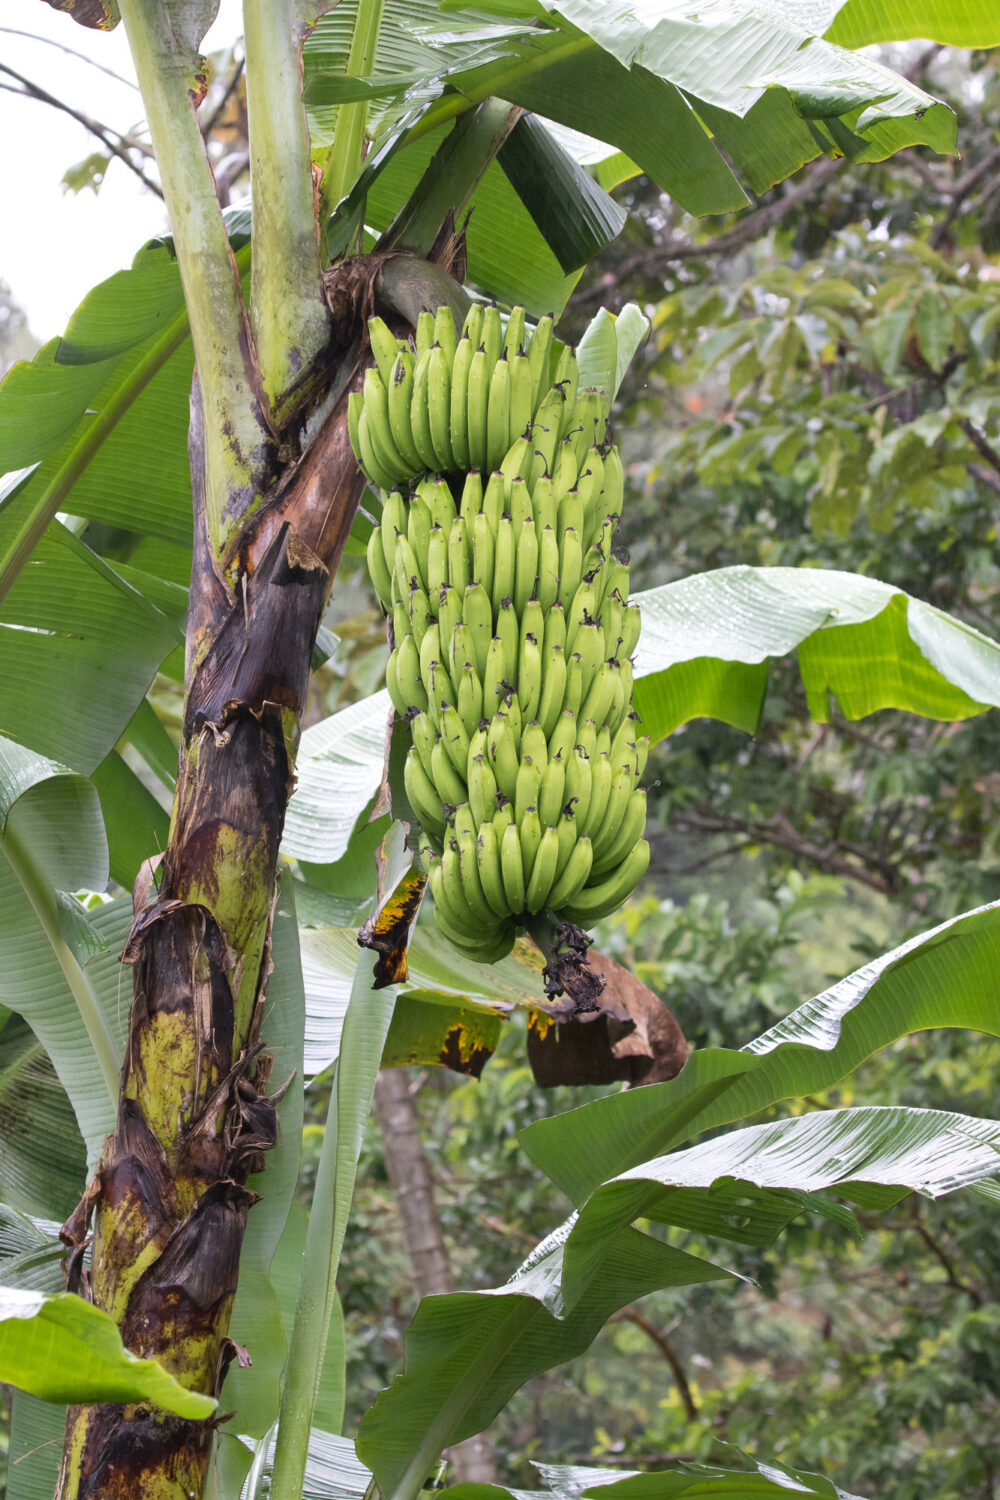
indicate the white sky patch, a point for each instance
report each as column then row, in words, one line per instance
column 54, row 245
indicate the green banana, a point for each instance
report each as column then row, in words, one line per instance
column 483, row 550
column 538, row 357
column 513, row 341
column 510, row 637
column 384, row 345
column 445, row 332
column 579, row 780
column 622, row 787
column 425, row 737
column 449, row 611
column 399, row 394
column 449, row 784
column 543, row 871
column 503, row 755
column 459, row 555
column 551, row 792
column 498, row 414
column 570, row 563
column 367, row 458
column 377, row 419
column 512, row 868
column 420, row 422
column 601, row 777
column 459, row 399
column 425, row 332
column 422, row 795
column 378, row 569
column 437, row 561
column 472, row 497
column 555, row 629
column 596, row 901
column 490, row 872
column 456, row 739
column 520, row 401
column 408, row 675
column 529, row 832
column 439, row 407
column 547, row 585
column 529, row 676
column 553, row 688
column 573, row 877
column 496, row 675
column 478, row 408
column 478, row 615
column 504, row 563
column 525, row 565
column 492, row 335
column 472, row 328
column 469, row 699
column 526, row 788
column 482, row 788
column 630, row 830
column 472, row 886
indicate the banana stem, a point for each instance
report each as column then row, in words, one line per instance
column 365, row 1027
column 236, row 436
column 288, row 312
column 345, row 155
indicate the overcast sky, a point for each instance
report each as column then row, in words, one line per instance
column 55, row 245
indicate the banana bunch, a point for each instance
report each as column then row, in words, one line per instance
column 512, row 627
column 450, row 404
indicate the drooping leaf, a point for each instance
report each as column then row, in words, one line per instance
column 256, row 1323
column 467, row 1352
column 339, row 766
column 58, row 961
column 575, row 215
column 573, row 1482
column 42, row 1160
column 444, row 984
column 956, row 23
column 943, row 978
column 78, row 645
column 62, row 1348
column 706, row 641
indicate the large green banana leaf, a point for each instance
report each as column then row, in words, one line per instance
column 61, row 1348
column 58, row 960
column 956, row 23
column 334, row 1472
column 704, row 650
column 706, row 642
column 564, row 1482
column 945, row 977
column 667, row 86
column 467, row 1353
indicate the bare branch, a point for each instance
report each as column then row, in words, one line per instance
column 978, row 440
column 102, row 132
column 72, row 52
column 208, row 125
column 651, row 261
column 660, row 1339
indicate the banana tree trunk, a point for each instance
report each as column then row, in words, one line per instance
column 169, row 1202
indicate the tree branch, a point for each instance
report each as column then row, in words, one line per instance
column 942, row 1257
column 779, row 832
column 978, row 440
column 33, row 91
column 755, row 223
column 71, row 52
column 659, row 1338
